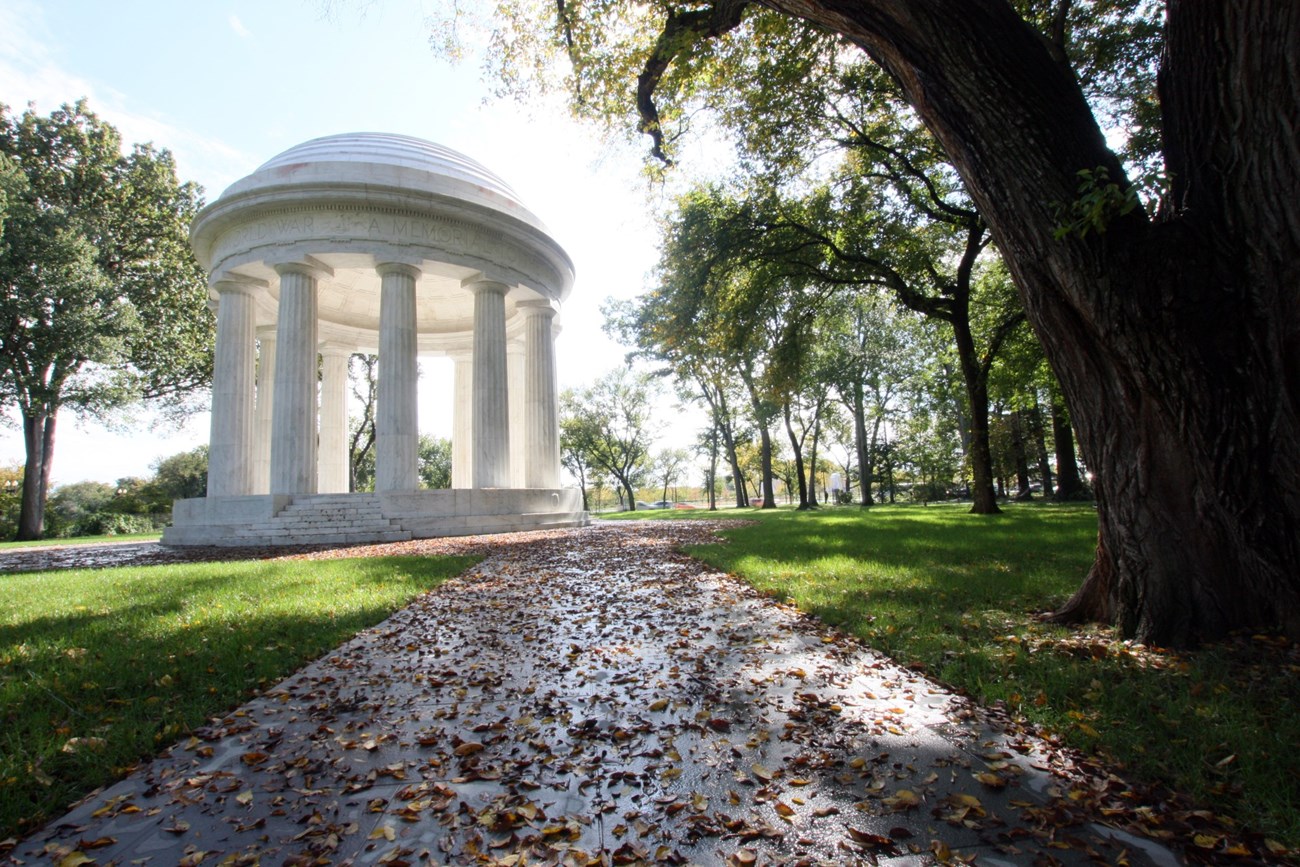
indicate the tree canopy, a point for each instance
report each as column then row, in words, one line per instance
column 1172, row 332
column 102, row 304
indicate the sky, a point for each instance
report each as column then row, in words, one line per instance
column 228, row 84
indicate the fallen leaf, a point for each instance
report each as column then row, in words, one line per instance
column 468, row 748
column 868, row 840
column 903, row 799
column 761, row 772
column 993, row 781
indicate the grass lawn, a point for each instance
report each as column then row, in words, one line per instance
column 84, row 540
column 101, row 668
column 958, row 593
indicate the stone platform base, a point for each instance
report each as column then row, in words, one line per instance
column 342, row 519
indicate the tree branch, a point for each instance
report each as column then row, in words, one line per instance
column 681, row 31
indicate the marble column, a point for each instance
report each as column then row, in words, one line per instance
column 293, row 414
column 541, row 401
column 515, row 379
column 332, row 462
column 462, row 422
column 262, row 415
column 397, row 432
column 491, row 406
column 230, row 449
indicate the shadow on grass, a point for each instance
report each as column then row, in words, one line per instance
column 958, row 595
column 127, row 660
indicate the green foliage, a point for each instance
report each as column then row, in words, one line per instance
column 73, row 504
column 608, row 427
column 96, row 266
column 1100, row 201
column 128, row 660
column 179, row 477
column 114, row 524
column 102, row 303
column 960, row 595
column 434, row 462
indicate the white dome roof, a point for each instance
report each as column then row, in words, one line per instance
column 398, row 162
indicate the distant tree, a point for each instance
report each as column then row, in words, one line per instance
column 434, row 459
column 363, row 376
column 102, row 303
column 11, row 486
column 179, row 477
column 669, row 467
column 73, row 503
column 610, row 425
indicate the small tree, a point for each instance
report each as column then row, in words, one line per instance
column 669, row 465
column 609, row 425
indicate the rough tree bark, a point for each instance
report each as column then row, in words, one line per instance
column 1177, row 344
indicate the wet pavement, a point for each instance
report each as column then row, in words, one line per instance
column 594, row 697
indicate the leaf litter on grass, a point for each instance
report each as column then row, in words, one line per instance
column 596, row 697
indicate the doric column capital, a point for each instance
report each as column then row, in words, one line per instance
column 335, row 347
column 404, row 268
column 537, row 308
column 307, row 266
column 233, row 287
column 478, row 285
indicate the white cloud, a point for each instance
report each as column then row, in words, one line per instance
column 238, row 26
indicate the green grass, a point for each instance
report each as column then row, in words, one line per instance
column 129, row 659
column 958, row 593
column 84, row 540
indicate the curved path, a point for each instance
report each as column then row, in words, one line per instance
column 595, row 697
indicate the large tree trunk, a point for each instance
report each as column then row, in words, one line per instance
column 765, row 458
column 38, row 442
column 863, row 447
column 1177, row 345
column 1069, row 484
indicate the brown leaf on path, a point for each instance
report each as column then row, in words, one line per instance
column 97, row 843
column 868, row 840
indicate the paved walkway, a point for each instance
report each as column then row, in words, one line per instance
column 593, row 697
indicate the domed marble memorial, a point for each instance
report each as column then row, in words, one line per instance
column 392, row 245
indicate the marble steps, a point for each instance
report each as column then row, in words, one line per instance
column 326, row 520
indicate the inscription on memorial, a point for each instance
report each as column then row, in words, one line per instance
column 361, row 224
